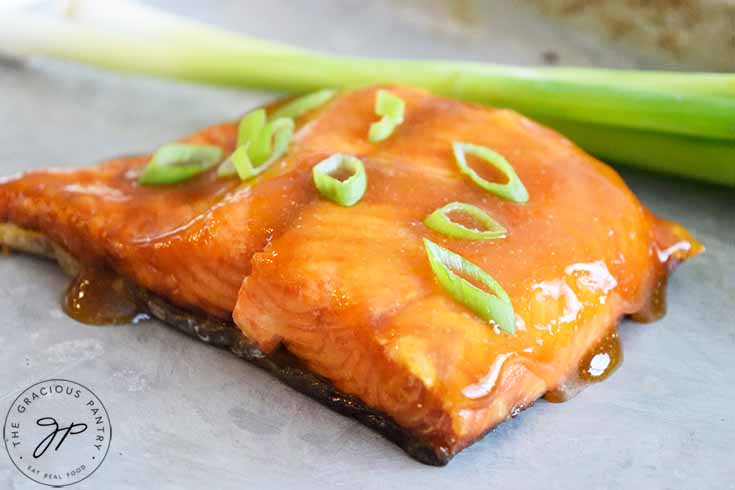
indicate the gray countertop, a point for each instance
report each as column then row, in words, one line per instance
column 186, row 415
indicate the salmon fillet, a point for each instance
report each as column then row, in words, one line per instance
column 349, row 291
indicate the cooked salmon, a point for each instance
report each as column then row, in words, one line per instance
column 349, row 291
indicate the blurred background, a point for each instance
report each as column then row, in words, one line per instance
column 696, row 34
column 657, row 33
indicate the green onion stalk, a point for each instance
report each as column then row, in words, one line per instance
column 671, row 122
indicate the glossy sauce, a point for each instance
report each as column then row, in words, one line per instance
column 577, row 257
column 607, row 355
column 99, row 297
column 349, row 291
column 594, row 367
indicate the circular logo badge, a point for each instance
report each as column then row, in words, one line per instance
column 57, row 432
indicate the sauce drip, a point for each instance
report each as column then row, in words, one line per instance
column 655, row 307
column 99, row 297
column 597, row 365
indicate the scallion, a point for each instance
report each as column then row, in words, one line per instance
column 301, row 105
column 391, row 108
column 273, row 141
column 259, row 144
column 441, row 221
column 250, row 127
column 239, row 163
column 709, row 160
column 696, row 110
column 328, row 174
column 512, row 190
column 492, row 305
column 177, row 162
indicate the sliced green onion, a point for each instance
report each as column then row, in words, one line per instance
column 250, row 127
column 227, row 168
column 391, row 108
column 177, row 162
column 493, row 305
column 441, row 222
column 272, row 142
column 513, row 190
column 259, row 144
column 307, row 103
column 343, row 192
column 239, row 163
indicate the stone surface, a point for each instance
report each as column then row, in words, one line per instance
column 185, row 415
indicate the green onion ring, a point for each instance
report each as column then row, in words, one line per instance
column 251, row 125
column 239, row 163
column 260, row 144
column 441, row 222
column 307, row 103
column 494, row 306
column 343, row 192
column 272, row 142
column 391, row 108
column 513, row 190
column 177, row 162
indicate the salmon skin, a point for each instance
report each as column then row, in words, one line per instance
column 344, row 299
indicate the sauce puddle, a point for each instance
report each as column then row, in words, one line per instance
column 99, row 297
column 597, row 365
column 605, row 357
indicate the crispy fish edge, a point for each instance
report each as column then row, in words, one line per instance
column 291, row 371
